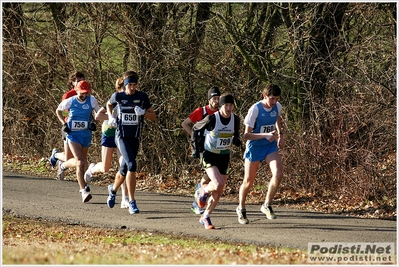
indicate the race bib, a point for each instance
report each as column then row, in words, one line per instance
column 79, row 125
column 130, row 119
column 223, row 143
column 267, row 128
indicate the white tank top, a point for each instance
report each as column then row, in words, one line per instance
column 219, row 140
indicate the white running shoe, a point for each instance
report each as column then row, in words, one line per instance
column 125, row 203
column 88, row 173
column 268, row 211
column 85, row 196
column 60, row 173
column 242, row 215
column 196, row 209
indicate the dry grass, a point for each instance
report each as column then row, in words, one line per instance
column 28, row 241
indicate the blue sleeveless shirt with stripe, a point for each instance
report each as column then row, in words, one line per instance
column 80, row 115
column 265, row 123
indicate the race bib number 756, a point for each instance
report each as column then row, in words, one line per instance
column 79, row 125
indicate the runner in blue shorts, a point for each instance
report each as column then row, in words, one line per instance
column 57, row 157
column 263, row 131
column 79, row 131
column 222, row 129
column 108, row 147
column 132, row 107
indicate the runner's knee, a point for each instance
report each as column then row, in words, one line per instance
column 80, row 163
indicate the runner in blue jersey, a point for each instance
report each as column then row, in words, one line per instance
column 132, row 107
column 221, row 131
column 263, row 131
column 57, row 158
column 78, row 131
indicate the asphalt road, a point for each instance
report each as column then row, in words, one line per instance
column 60, row 201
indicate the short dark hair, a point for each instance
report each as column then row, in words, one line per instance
column 130, row 73
column 73, row 76
column 272, row 89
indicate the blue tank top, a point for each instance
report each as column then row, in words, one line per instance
column 80, row 115
column 265, row 123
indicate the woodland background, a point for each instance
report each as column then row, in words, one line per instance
column 335, row 62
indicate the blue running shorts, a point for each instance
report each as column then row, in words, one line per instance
column 108, row 141
column 85, row 141
column 259, row 153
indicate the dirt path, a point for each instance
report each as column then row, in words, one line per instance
column 60, row 200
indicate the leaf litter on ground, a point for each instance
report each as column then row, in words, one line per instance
column 34, row 241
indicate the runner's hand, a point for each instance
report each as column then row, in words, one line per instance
column 65, row 128
column 271, row 136
column 236, row 141
column 93, row 126
column 139, row 111
column 112, row 121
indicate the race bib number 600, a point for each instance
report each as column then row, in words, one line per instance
column 129, row 119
